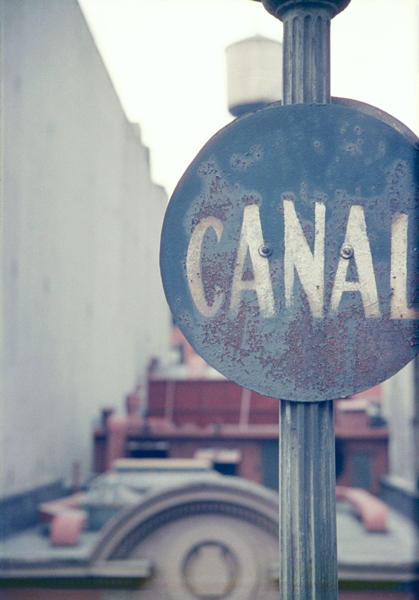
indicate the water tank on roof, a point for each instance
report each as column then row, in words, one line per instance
column 254, row 74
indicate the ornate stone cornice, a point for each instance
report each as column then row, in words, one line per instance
column 242, row 500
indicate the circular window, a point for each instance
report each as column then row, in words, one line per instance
column 210, row 570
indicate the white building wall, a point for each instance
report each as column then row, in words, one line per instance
column 83, row 308
column 401, row 392
column 399, row 408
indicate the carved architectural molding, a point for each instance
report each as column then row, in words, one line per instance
column 246, row 502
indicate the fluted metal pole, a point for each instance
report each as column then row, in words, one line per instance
column 307, row 496
column 306, row 48
column 307, row 504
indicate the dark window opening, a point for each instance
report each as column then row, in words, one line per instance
column 340, row 457
column 136, row 449
column 361, row 471
column 225, row 468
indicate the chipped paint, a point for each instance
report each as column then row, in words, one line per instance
column 304, row 322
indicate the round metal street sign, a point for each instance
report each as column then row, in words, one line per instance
column 289, row 252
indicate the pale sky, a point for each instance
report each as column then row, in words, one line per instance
column 167, row 61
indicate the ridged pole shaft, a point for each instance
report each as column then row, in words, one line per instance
column 307, row 503
column 306, row 63
column 307, row 481
column 308, row 553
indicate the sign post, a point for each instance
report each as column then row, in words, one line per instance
column 289, row 261
column 307, row 496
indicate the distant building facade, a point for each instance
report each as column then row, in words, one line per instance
column 178, row 530
column 192, row 411
column 83, row 310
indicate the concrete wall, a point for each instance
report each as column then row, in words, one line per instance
column 83, row 308
column 399, row 407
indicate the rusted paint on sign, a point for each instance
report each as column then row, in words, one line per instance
column 289, row 252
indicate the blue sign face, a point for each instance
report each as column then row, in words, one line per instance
column 289, row 252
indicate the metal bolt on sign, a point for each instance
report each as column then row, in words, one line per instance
column 288, row 260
